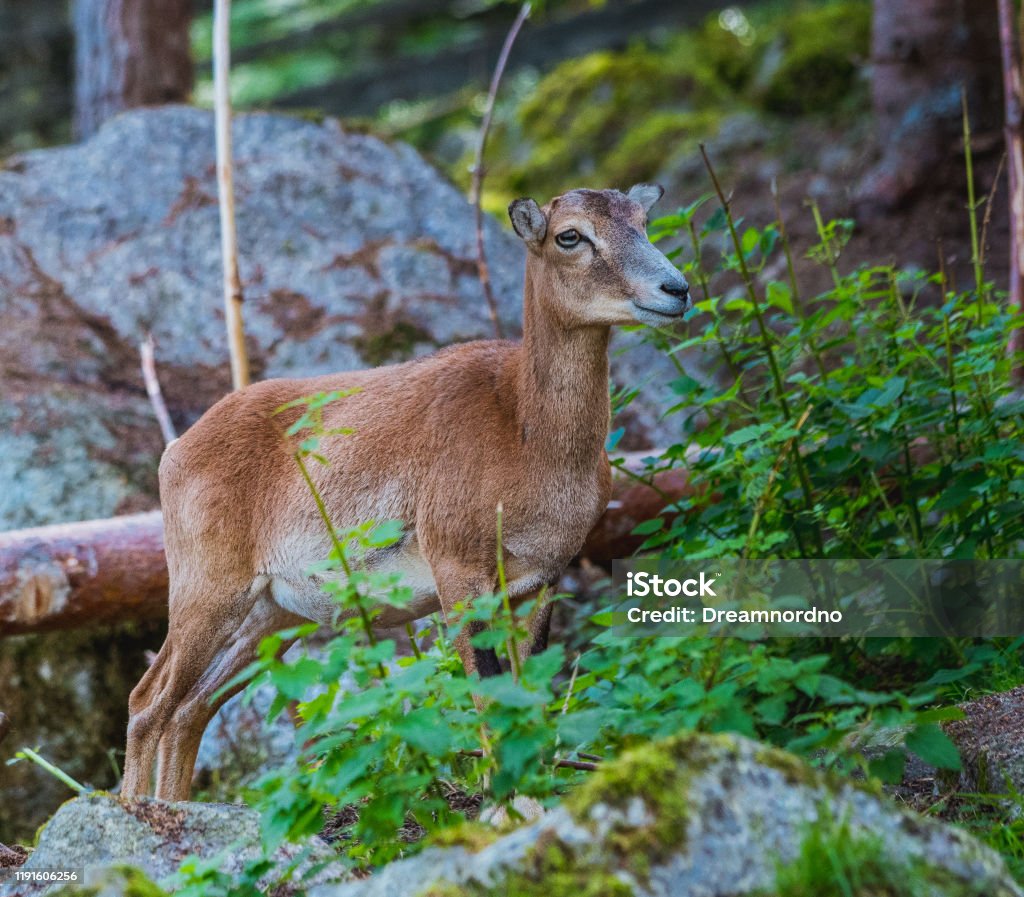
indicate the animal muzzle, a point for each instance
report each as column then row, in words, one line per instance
column 680, row 291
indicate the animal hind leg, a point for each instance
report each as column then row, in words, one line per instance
column 192, row 643
column 145, row 726
column 179, row 743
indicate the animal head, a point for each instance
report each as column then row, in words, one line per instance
column 591, row 251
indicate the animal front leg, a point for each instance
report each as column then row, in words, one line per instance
column 457, row 584
column 538, row 626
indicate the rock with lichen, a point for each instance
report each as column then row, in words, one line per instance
column 703, row 816
column 120, row 847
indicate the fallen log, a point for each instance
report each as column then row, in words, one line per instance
column 81, row 574
column 109, row 571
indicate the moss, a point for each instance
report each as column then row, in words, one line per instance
column 473, row 836
column 549, row 869
column 800, row 773
column 581, row 119
column 644, row 149
column 837, row 861
column 820, row 59
column 127, row 881
column 135, row 883
column 614, row 117
column 658, row 774
column 442, row 889
column 556, row 876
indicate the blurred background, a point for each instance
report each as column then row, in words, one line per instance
column 606, row 92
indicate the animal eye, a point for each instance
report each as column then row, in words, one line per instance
column 568, row 238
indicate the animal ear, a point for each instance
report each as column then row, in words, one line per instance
column 528, row 220
column 646, row 194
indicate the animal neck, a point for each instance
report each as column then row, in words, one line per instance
column 563, row 407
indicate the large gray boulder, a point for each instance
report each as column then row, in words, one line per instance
column 96, row 834
column 354, row 252
column 703, row 816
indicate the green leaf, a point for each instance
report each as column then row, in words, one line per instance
column 504, row 691
column 386, row 533
column 889, row 767
column 685, row 385
column 648, row 527
column 426, row 731
column 933, row 746
column 748, row 434
column 716, row 222
column 751, row 240
column 614, row 438
column 939, row 715
column 295, row 678
column 889, row 393
column 779, row 296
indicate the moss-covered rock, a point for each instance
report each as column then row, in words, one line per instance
column 618, row 117
column 713, row 815
column 815, row 62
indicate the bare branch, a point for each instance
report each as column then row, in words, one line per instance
column 476, row 190
column 156, row 397
column 233, row 297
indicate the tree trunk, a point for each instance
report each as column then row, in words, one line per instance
column 923, row 53
column 81, row 574
column 1009, row 36
column 129, row 53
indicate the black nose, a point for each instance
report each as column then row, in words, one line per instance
column 678, row 288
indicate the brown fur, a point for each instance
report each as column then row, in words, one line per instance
column 438, row 443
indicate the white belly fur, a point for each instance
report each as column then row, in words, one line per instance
column 291, row 589
column 306, row 597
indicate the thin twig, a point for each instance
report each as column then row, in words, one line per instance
column 572, row 683
column 987, row 218
column 567, row 764
column 793, row 285
column 5, row 725
column 513, row 649
column 568, row 698
column 233, row 297
column 476, row 190
column 56, row 772
column 772, row 474
column 156, row 397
